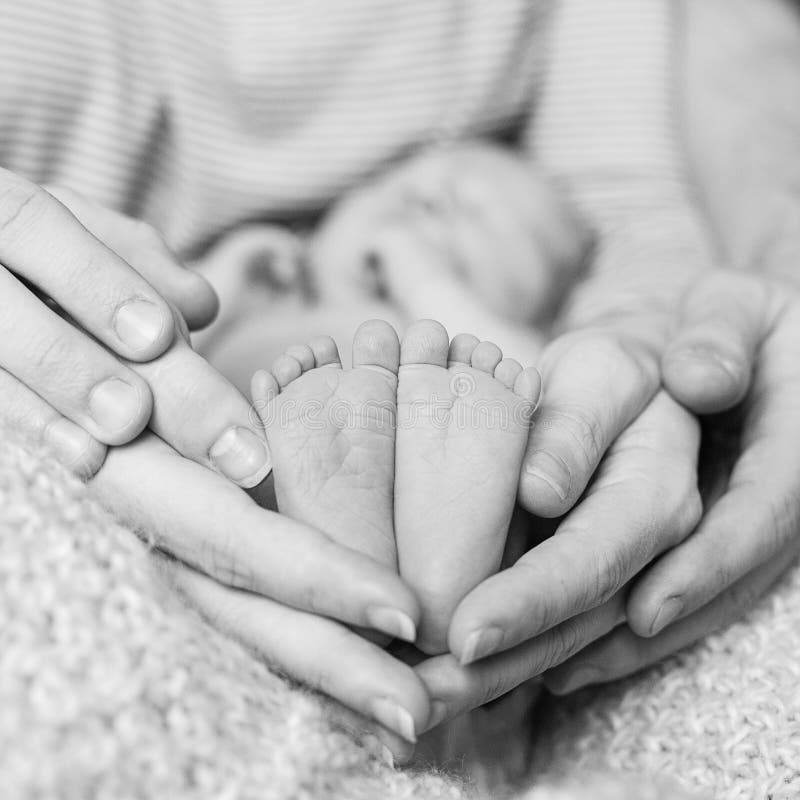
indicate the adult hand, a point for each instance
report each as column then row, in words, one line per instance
column 734, row 357
column 282, row 588
column 90, row 304
column 569, row 590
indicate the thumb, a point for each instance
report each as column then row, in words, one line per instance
column 708, row 364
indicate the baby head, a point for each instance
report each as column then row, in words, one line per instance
column 475, row 214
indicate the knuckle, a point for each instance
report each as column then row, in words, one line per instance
column 21, row 204
column 782, row 521
column 495, row 685
column 565, row 640
column 225, row 613
column 220, row 558
column 312, row 600
column 583, row 428
column 725, row 574
column 50, row 355
column 612, row 570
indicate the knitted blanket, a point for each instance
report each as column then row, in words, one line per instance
column 111, row 688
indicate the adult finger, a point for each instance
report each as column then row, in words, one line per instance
column 622, row 652
column 643, row 501
column 208, row 523
column 758, row 516
column 596, row 383
column 67, row 369
column 709, row 361
column 23, row 409
column 455, row 689
column 143, row 247
column 316, row 651
column 42, row 242
column 204, row 417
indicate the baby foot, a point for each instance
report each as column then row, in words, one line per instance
column 332, row 436
column 463, row 414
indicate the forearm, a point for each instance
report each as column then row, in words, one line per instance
column 743, row 125
column 608, row 130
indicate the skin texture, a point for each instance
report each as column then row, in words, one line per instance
column 50, row 370
column 288, row 594
column 463, row 422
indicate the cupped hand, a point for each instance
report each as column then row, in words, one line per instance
column 570, row 589
column 93, row 343
column 734, row 359
column 287, row 591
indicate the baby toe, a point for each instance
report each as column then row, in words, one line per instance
column 486, row 357
column 303, row 354
column 376, row 345
column 462, row 347
column 325, row 351
column 425, row 342
column 286, row 369
column 263, row 388
column 507, row 371
column 528, row 385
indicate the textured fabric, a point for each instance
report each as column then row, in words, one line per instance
column 110, row 688
column 201, row 115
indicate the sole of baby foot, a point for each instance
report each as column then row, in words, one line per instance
column 331, row 433
column 464, row 414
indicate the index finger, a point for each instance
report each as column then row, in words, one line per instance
column 89, row 281
column 208, row 523
column 455, row 688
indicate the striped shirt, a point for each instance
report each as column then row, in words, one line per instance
column 198, row 115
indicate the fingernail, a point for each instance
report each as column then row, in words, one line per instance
column 709, row 355
column 139, row 323
column 377, row 749
column 481, row 643
column 550, row 470
column 670, row 610
column 68, row 440
column 438, row 713
column 241, row 456
column 584, row 675
column 392, row 621
column 114, row 404
column 394, row 717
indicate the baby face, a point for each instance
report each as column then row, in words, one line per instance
column 476, row 213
